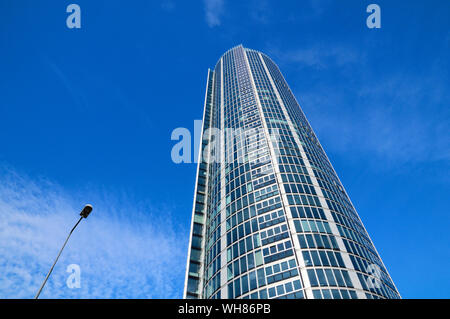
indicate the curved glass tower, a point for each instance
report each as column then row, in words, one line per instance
column 271, row 218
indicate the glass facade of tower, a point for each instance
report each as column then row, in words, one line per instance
column 271, row 218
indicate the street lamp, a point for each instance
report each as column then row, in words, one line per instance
column 84, row 214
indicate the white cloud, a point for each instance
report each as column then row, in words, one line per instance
column 124, row 249
column 392, row 118
column 260, row 11
column 213, row 11
column 319, row 57
column 319, row 7
column 168, row 5
column 395, row 121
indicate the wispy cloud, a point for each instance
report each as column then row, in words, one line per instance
column 74, row 92
column 124, row 249
column 168, row 5
column 260, row 11
column 319, row 56
column 318, row 7
column 390, row 124
column 394, row 117
column 213, row 10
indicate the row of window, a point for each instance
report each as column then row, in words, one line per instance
column 278, row 251
column 243, row 246
column 274, row 234
column 363, row 265
column 371, row 284
column 242, row 230
column 246, row 283
column 323, row 258
column 271, row 219
column 281, row 271
column 329, row 278
column 307, row 212
column 315, row 226
column 334, row 294
column 244, row 264
column 312, row 241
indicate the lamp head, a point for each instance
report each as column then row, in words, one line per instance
column 86, row 211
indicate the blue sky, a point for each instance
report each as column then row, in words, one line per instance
column 86, row 116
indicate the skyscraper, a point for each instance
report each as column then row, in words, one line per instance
column 271, row 218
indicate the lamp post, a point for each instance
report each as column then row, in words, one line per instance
column 84, row 214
